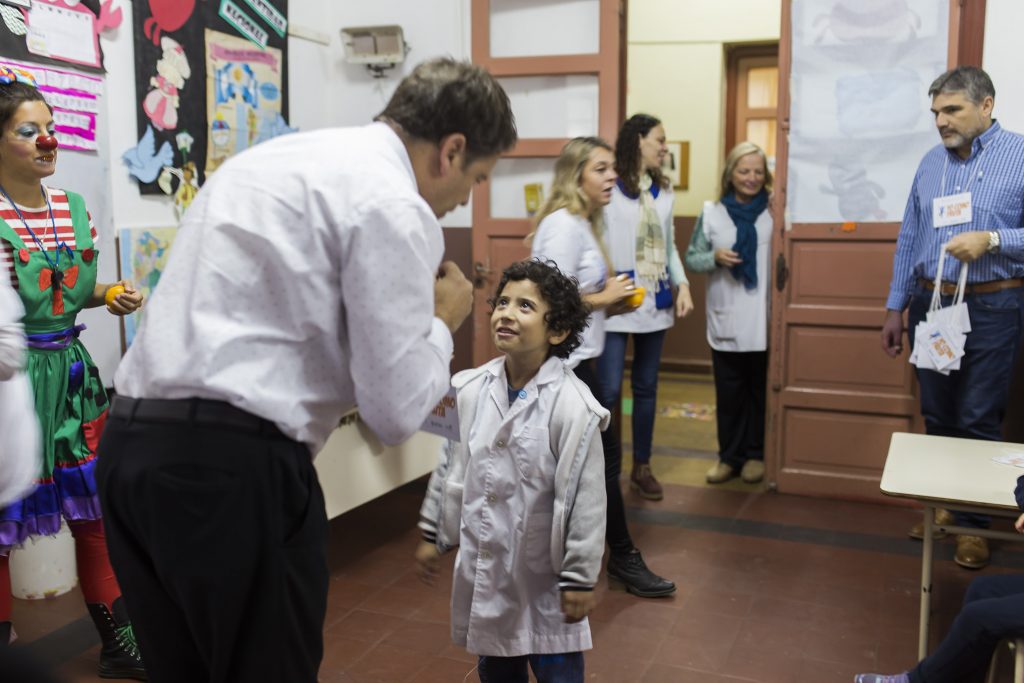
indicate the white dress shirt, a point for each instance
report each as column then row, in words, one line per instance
column 300, row 284
column 19, row 428
column 567, row 239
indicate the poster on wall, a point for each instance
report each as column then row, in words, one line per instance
column 57, row 32
column 172, row 72
column 75, row 98
column 143, row 253
column 860, row 119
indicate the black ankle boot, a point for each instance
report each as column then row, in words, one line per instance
column 5, row 634
column 631, row 571
column 119, row 657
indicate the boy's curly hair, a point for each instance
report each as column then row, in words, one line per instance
column 566, row 310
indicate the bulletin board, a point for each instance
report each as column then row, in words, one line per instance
column 185, row 49
column 57, row 32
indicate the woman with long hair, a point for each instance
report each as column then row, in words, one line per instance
column 47, row 251
column 641, row 243
column 570, row 229
column 732, row 242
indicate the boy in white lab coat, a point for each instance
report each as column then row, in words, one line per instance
column 522, row 493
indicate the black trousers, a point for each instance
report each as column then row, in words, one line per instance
column 616, row 531
column 740, row 382
column 218, row 536
column 993, row 610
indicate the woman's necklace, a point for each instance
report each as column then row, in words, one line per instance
column 58, row 275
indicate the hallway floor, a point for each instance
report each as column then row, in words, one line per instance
column 772, row 588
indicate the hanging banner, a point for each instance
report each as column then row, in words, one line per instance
column 75, row 98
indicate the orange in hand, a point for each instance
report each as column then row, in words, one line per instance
column 111, row 294
column 637, row 297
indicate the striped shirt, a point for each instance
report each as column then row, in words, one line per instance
column 994, row 175
column 39, row 221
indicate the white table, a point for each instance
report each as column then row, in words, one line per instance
column 955, row 474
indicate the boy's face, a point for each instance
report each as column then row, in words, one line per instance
column 518, row 326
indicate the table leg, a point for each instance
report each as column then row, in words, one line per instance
column 926, row 582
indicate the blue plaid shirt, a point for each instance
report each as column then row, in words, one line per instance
column 994, row 175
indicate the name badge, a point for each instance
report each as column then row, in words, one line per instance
column 444, row 418
column 954, row 209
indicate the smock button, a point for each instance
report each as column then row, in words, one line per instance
column 500, row 443
column 491, row 498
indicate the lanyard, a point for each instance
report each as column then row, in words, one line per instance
column 53, row 223
column 970, row 178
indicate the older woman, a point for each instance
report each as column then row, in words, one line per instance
column 641, row 242
column 47, row 252
column 732, row 242
column 569, row 232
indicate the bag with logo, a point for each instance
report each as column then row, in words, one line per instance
column 939, row 339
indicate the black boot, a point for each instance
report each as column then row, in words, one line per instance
column 120, row 656
column 630, row 571
column 5, row 634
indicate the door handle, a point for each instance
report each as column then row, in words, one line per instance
column 781, row 272
column 481, row 272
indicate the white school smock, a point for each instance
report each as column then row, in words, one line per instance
column 737, row 317
column 567, row 239
column 505, row 596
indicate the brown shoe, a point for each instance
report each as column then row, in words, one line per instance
column 942, row 517
column 971, row 552
column 643, row 482
column 720, row 473
column 753, row 471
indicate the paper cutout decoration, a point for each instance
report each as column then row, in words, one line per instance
column 64, row 31
column 143, row 254
column 144, row 161
column 172, row 70
column 167, row 16
column 14, row 20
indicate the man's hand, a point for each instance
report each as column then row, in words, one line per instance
column 453, row 296
column 427, row 562
column 892, row 333
column 577, row 604
column 968, row 246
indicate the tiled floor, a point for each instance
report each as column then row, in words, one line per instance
column 772, row 589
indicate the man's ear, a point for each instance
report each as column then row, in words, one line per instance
column 987, row 105
column 453, row 151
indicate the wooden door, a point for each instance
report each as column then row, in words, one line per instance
column 583, row 90
column 834, row 398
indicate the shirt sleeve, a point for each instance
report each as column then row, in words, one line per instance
column 903, row 262
column 92, row 228
column 400, row 352
column 675, row 264
column 700, row 257
column 554, row 242
column 13, row 347
column 1011, row 243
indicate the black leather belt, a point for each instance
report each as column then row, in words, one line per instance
column 191, row 410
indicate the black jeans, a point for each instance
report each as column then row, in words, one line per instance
column 740, row 382
column 616, row 532
column 993, row 610
column 218, row 537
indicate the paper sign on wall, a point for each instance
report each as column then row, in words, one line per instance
column 60, row 31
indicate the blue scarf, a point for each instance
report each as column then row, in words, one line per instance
column 744, row 216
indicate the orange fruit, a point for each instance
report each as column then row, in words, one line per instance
column 637, row 297
column 112, row 292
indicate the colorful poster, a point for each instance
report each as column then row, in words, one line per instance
column 171, row 82
column 144, row 253
column 57, row 31
column 75, row 98
column 243, row 96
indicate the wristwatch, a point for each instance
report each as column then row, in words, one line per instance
column 993, row 242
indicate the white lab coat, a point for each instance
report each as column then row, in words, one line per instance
column 19, row 427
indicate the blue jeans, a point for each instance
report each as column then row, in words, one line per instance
column 563, row 668
column 971, row 402
column 993, row 610
column 643, row 379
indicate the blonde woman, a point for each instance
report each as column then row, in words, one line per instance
column 732, row 242
column 570, row 233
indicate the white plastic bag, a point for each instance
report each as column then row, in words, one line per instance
column 939, row 339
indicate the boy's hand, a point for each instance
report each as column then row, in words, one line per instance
column 577, row 604
column 427, row 562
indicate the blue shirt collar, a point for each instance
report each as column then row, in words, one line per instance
column 980, row 142
column 655, row 189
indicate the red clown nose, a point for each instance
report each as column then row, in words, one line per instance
column 46, row 143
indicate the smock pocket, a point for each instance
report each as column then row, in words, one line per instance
column 721, row 324
column 530, row 449
column 538, row 544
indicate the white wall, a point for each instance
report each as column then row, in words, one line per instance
column 1003, row 19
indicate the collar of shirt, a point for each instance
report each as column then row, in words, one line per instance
column 979, row 144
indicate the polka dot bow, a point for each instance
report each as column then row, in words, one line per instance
column 11, row 75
